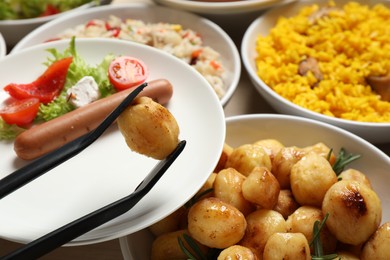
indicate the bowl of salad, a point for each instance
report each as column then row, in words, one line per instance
column 19, row 17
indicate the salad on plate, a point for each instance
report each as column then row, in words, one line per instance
column 25, row 9
column 67, row 84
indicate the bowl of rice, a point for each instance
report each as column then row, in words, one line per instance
column 261, row 129
column 199, row 42
column 323, row 60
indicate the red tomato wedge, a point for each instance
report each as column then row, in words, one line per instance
column 19, row 112
column 50, row 10
column 46, row 87
column 126, row 72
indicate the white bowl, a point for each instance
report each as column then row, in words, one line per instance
column 373, row 132
column 222, row 7
column 212, row 34
column 300, row 132
column 108, row 170
column 14, row 30
column 3, row 47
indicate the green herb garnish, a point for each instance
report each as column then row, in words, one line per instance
column 342, row 160
column 316, row 241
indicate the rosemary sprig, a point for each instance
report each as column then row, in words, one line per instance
column 195, row 248
column 316, row 241
column 342, row 160
column 195, row 198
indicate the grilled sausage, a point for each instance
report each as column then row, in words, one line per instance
column 52, row 134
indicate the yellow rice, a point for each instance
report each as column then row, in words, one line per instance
column 349, row 45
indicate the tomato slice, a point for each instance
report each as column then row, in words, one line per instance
column 126, row 72
column 46, row 87
column 19, row 112
column 50, row 10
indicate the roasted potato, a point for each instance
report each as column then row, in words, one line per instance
column 270, row 146
column 355, row 211
column 302, row 221
column 149, row 128
column 261, row 188
column 215, row 223
column 166, row 246
column 261, row 224
column 246, row 157
column 228, row 187
column 287, row 246
column 286, row 203
column 237, row 252
column 378, row 246
column 355, row 175
column 310, row 178
column 282, row 163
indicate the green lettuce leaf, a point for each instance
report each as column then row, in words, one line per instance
column 77, row 70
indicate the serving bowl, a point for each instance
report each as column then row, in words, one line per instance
column 14, row 30
column 290, row 131
column 108, row 170
column 221, row 7
column 373, row 132
column 212, row 35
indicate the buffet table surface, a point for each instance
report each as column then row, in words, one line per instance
column 245, row 100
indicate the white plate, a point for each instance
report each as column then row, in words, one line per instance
column 3, row 47
column 373, row 132
column 108, row 170
column 301, row 132
column 222, row 7
column 212, row 34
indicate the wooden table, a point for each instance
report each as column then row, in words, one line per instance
column 245, row 100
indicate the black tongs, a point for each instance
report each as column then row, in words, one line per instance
column 74, row 229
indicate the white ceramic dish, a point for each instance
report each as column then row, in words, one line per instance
column 108, row 170
column 14, row 30
column 212, row 34
column 373, row 132
column 221, row 7
column 301, row 132
column 3, row 47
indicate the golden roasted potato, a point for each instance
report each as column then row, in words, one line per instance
column 261, row 188
column 323, row 150
column 302, row 221
column 286, row 204
column 237, row 252
column 226, row 152
column 355, row 211
column 246, row 157
column 149, row 128
column 170, row 223
column 207, row 189
column 166, row 246
column 378, row 246
column 228, row 188
column 287, row 246
column 270, row 146
column 282, row 163
column 310, row 179
column 355, row 175
column 261, row 224
column 215, row 223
